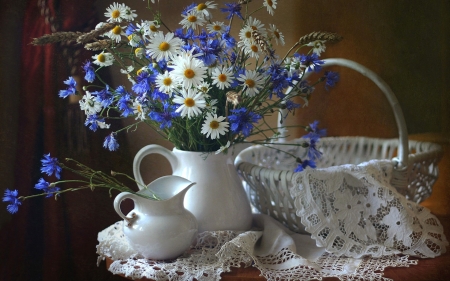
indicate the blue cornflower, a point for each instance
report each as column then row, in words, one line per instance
column 89, row 72
column 312, row 62
column 131, row 28
column 291, row 106
column 94, row 122
column 144, row 80
column 123, row 104
column 331, row 78
column 242, row 121
column 313, row 153
column 11, row 196
column 50, row 165
column 46, row 188
column 71, row 89
column 184, row 36
column 105, row 97
column 234, row 9
column 42, row 184
column 188, row 8
column 157, row 95
column 305, row 163
column 314, row 132
column 165, row 117
column 111, row 142
column 210, row 51
column 229, row 40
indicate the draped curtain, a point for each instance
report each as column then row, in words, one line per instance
column 48, row 239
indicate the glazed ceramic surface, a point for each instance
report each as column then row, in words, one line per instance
column 218, row 200
column 162, row 229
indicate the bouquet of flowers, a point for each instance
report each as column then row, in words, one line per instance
column 198, row 86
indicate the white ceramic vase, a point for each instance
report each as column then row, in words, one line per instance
column 159, row 230
column 218, row 200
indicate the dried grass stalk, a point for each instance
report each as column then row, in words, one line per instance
column 56, row 37
column 99, row 45
column 90, row 36
column 320, row 35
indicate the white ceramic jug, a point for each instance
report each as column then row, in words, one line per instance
column 218, row 200
column 159, row 230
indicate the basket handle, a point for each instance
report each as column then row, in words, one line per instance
column 403, row 150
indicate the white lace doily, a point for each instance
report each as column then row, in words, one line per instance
column 216, row 252
column 359, row 225
column 353, row 210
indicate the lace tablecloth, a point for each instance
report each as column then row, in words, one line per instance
column 359, row 225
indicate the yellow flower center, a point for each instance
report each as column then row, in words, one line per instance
column 101, row 58
column 189, row 73
column 269, row 2
column 276, row 34
column 250, row 83
column 167, row 81
column 222, row 77
column 139, row 108
column 254, row 48
column 153, row 28
column 117, row 30
column 138, row 51
column 217, row 27
column 214, row 124
column 192, row 18
column 201, row 6
column 115, row 14
column 139, row 71
column 164, row 46
column 248, row 34
column 189, row 102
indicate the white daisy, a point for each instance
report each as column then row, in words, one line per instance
column 318, row 46
column 192, row 19
column 276, row 34
column 223, row 77
column 256, row 24
column 129, row 14
column 139, row 110
column 223, row 148
column 216, row 26
column 166, row 83
column 210, row 105
column 204, row 87
column 189, row 71
column 270, row 5
column 139, row 52
column 191, row 103
column 148, row 28
column 252, row 81
column 253, row 50
column 90, row 104
column 134, row 40
column 164, row 47
column 202, row 9
column 245, row 34
column 103, row 59
column 214, row 126
column 116, row 12
column 116, row 33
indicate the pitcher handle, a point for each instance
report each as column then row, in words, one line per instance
column 118, row 200
column 151, row 149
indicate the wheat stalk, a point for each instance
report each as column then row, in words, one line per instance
column 320, row 35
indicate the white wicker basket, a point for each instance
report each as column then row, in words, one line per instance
column 268, row 173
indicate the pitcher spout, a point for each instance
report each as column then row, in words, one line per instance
column 169, row 187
